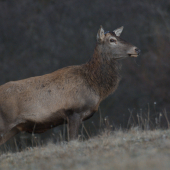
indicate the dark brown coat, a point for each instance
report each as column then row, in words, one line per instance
column 71, row 94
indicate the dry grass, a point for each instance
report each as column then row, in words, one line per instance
column 111, row 150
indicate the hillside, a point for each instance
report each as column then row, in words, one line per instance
column 134, row 149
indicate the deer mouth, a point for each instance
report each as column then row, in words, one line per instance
column 132, row 55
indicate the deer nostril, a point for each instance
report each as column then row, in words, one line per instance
column 137, row 50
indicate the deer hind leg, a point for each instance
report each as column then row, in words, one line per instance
column 7, row 135
column 9, row 131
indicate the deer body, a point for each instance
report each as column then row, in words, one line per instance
column 71, row 94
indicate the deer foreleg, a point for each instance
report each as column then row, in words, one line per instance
column 73, row 122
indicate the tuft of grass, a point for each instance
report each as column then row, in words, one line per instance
column 133, row 149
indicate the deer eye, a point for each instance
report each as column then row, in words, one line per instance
column 112, row 40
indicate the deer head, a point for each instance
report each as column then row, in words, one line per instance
column 112, row 46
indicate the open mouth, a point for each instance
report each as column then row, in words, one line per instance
column 133, row 55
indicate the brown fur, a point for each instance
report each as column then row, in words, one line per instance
column 71, row 94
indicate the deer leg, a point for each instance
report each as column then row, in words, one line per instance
column 73, row 122
column 5, row 136
column 9, row 131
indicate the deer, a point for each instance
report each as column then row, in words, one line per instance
column 69, row 95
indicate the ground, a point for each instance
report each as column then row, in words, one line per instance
column 134, row 149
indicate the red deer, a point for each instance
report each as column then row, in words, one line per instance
column 71, row 94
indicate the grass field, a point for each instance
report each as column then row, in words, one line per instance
column 133, row 149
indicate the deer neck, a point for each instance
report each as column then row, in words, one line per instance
column 103, row 73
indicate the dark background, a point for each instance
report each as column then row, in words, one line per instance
column 40, row 36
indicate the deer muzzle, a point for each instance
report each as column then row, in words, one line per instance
column 134, row 52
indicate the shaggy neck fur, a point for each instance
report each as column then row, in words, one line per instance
column 102, row 73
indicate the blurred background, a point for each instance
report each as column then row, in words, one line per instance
column 39, row 37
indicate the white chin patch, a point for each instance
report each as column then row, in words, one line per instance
column 133, row 55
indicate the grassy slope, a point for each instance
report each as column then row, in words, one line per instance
column 117, row 150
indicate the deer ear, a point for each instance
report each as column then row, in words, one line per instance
column 118, row 31
column 100, row 34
